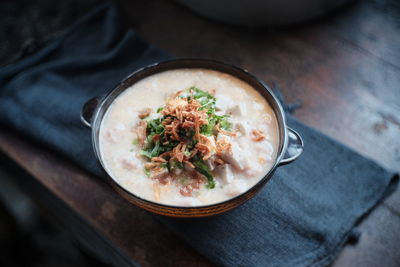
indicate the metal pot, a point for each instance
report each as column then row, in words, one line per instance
column 263, row 12
column 290, row 142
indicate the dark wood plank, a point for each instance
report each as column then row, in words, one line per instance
column 38, row 199
column 129, row 228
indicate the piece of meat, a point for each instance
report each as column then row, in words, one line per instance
column 264, row 149
column 222, row 102
column 141, row 129
column 242, row 127
column 162, row 175
column 206, row 146
column 233, row 154
column 235, row 188
column 128, row 160
column 238, row 110
column 210, row 162
column 224, row 173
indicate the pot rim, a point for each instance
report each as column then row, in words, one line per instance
column 283, row 129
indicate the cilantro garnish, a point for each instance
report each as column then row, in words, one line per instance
column 168, row 130
column 202, row 168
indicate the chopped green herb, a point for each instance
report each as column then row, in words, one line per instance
column 160, row 109
column 224, row 123
column 187, row 153
column 145, row 153
column 179, row 165
column 199, row 94
column 207, row 129
column 156, row 150
column 164, row 165
column 135, row 141
column 147, row 172
column 213, row 120
column 202, row 168
column 155, row 126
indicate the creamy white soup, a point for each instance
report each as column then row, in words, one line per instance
column 189, row 137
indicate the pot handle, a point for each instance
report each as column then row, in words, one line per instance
column 88, row 109
column 294, row 149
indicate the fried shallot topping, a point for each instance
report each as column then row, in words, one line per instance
column 257, row 136
column 145, row 113
column 183, row 135
column 141, row 130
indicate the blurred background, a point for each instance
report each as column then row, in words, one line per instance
column 28, row 25
column 29, row 234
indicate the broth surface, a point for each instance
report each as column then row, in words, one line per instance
column 247, row 110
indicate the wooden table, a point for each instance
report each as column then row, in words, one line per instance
column 345, row 72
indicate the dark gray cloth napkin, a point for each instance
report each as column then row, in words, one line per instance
column 302, row 217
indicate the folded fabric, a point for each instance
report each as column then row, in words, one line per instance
column 42, row 95
column 302, row 217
